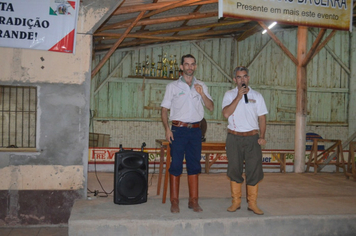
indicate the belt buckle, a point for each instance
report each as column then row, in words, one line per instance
column 189, row 125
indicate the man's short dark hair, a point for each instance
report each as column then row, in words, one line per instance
column 187, row 56
column 240, row 68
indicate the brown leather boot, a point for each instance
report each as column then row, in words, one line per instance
column 252, row 192
column 174, row 193
column 193, row 193
column 236, row 196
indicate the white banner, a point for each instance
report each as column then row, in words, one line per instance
column 333, row 14
column 39, row 24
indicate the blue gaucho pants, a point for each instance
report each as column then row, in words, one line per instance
column 186, row 143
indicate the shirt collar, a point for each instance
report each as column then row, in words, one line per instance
column 183, row 80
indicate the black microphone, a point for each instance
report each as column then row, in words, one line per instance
column 245, row 95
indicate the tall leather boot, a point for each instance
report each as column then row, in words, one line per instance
column 236, row 196
column 252, row 192
column 193, row 193
column 174, row 193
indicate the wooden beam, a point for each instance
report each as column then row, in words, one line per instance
column 163, row 9
column 344, row 144
column 179, row 29
column 213, row 62
column 259, row 52
column 114, row 47
column 104, row 23
column 196, row 27
column 186, row 21
column 247, row 33
column 111, row 74
column 144, row 26
column 154, row 6
column 181, row 37
column 169, row 7
column 141, row 7
column 332, row 53
column 156, row 39
column 323, row 44
column 314, row 47
column 279, row 43
column 127, row 44
column 136, row 43
column 162, row 20
column 142, row 36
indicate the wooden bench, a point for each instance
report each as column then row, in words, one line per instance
column 316, row 160
column 351, row 164
column 281, row 158
column 209, row 163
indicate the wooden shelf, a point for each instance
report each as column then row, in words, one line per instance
column 149, row 77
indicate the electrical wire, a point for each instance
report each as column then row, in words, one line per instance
column 96, row 175
column 154, row 169
column 96, row 192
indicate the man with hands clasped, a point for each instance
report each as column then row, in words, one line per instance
column 185, row 98
column 246, row 112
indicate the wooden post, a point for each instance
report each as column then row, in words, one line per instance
column 300, row 119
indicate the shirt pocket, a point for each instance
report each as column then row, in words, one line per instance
column 195, row 95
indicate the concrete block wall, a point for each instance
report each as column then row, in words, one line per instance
column 134, row 133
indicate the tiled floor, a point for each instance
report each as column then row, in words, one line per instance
column 34, row 231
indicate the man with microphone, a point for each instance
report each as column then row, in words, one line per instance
column 246, row 112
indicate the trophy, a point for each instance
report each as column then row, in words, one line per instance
column 159, row 66
column 165, row 60
column 139, row 70
column 147, row 72
column 153, row 70
column 136, row 70
column 143, row 71
column 176, row 67
column 171, row 72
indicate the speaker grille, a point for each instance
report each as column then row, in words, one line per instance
column 133, row 162
column 131, row 177
column 132, row 185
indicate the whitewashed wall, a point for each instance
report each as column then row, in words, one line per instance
column 131, row 134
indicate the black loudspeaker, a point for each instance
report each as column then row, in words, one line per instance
column 131, row 177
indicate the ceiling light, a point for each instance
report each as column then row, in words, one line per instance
column 269, row 27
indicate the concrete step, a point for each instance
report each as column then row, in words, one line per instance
column 283, row 216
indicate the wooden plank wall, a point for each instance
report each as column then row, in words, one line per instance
column 123, row 98
column 272, row 73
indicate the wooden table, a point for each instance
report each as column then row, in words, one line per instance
column 281, row 159
column 206, row 147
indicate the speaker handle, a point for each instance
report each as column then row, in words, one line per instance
column 143, row 145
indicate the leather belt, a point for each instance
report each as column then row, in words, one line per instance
column 249, row 133
column 188, row 125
